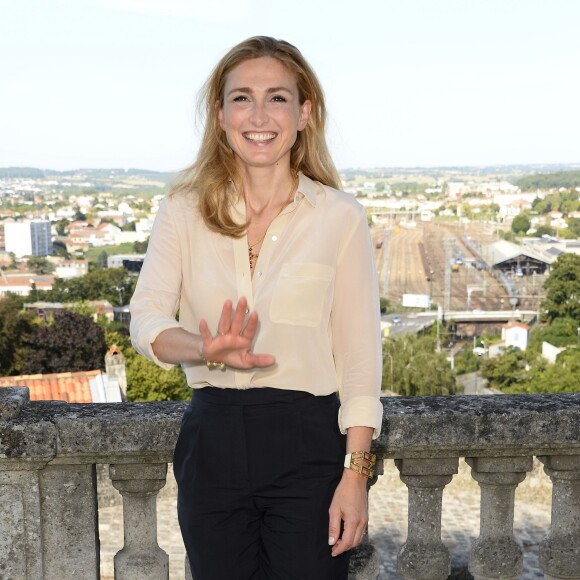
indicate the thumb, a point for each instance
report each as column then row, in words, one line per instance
column 333, row 527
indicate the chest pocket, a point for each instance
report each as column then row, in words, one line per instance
column 302, row 294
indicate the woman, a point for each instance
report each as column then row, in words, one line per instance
column 257, row 251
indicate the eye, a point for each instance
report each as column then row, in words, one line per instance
column 240, row 99
column 279, row 99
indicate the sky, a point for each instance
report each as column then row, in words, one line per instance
column 113, row 83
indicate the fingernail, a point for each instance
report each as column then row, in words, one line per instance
column 330, row 540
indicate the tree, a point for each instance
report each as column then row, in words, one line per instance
column 69, row 342
column 140, row 247
column 79, row 215
column 561, row 377
column 102, row 259
column 574, row 227
column 148, row 382
column 15, row 327
column 40, row 265
column 561, row 332
column 62, row 227
column 563, row 289
column 505, row 371
column 405, row 361
column 466, row 362
column 112, row 284
column 59, row 249
column 544, row 231
column 521, row 224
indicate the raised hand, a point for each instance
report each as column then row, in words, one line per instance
column 233, row 341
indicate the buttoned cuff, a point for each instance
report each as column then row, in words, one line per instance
column 361, row 412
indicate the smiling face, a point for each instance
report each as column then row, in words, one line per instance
column 261, row 113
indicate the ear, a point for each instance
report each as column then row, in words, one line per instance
column 305, row 109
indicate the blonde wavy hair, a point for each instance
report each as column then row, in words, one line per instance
column 209, row 176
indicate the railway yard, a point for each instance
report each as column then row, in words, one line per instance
column 431, row 258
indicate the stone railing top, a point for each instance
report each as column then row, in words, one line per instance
column 12, row 400
column 480, row 426
column 457, row 426
column 95, row 433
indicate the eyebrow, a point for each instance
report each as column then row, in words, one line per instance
column 248, row 90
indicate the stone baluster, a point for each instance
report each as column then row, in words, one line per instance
column 424, row 556
column 560, row 550
column 141, row 557
column 495, row 554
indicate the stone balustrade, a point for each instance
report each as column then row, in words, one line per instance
column 48, row 507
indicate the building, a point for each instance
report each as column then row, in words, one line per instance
column 515, row 334
column 71, row 268
column 92, row 386
column 131, row 262
column 24, row 283
column 28, row 238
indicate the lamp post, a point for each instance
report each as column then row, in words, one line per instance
column 391, row 360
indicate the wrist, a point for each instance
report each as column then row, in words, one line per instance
column 361, row 462
column 354, row 478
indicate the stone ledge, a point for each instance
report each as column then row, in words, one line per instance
column 468, row 426
column 12, row 400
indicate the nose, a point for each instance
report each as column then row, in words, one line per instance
column 259, row 114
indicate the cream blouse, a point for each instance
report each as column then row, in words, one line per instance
column 314, row 288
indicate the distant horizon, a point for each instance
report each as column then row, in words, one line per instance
column 569, row 166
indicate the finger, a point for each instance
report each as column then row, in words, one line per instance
column 359, row 533
column 251, row 326
column 346, row 540
column 225, row 318
column 333, row 527
column 204, row 332
column 239, row 316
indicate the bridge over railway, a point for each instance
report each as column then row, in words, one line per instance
column 490, row 315
column 418, row 322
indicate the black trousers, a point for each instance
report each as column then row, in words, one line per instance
column 256, row 471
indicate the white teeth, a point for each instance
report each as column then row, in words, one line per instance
column 260, row 136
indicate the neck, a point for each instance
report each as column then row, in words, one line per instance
column 267, row 190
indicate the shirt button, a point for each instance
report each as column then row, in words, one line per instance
column 259, row 274
column 274, row 238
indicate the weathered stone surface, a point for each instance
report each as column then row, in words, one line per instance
column 560, row 551
column 21, row 552
column 104, row 432
column 69, row 512
column 132, row 437
column 364, row 563
column 495, row 554
column 12, row 400
column 141, row 557
column 26, row 438
column 496, row 425
column 424, row 556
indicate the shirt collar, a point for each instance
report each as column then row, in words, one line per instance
column 307, row 187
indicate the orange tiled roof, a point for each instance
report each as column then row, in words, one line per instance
column 513, row 323
column 69, row 387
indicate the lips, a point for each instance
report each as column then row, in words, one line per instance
column 260, row 137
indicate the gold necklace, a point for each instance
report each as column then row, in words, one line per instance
column 253, row 256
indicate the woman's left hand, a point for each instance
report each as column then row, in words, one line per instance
column 350, row 506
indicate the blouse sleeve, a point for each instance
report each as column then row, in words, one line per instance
column 155, row 302
column 355, row 326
